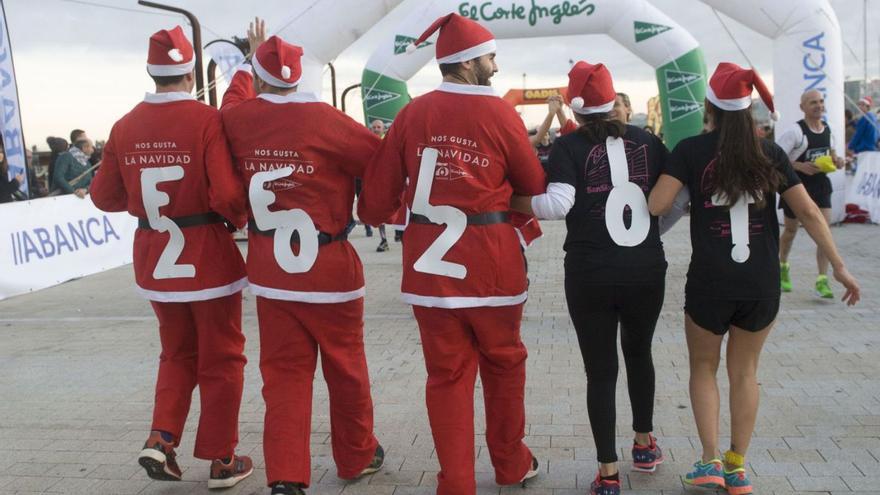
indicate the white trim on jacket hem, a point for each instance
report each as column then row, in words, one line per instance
column 307, row 297
column 194, row 295
column 455, row 302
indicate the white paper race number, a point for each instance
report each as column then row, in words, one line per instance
column 623, row 194
column 739, row 225
column 284, row 223
column 431, row 261
column 166, row 266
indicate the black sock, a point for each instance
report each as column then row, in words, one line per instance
column 613, row 477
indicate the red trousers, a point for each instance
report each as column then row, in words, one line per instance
column 291, row 336
column 456, row 343
column 202, row 345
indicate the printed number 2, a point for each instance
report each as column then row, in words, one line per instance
column 431, row 261
column 285, row 223
column 739, row 225
column 623, row 194
column 166, row 266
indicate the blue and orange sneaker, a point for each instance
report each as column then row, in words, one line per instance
column 604, row 487
column 708, row 475
column 646, row 458
column 737, row 482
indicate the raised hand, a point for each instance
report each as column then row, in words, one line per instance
column 256, row 34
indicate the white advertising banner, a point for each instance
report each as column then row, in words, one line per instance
column 865, row 188
column 10, row 122
column 45, row 242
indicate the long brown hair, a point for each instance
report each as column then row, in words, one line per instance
column 741, row 166
column 597, row 127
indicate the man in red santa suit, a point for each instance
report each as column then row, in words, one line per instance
column 167, row 163
column 299, row 157
column 464, row 151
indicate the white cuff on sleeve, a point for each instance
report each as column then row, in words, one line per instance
column 555, row 203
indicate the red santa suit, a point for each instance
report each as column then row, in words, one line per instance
column 167, row 163
column 299, row 157
column 466, row 279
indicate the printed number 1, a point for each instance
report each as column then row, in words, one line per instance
column 166, row 266
column 739, row 225
column 431, row 261
column 623, row 194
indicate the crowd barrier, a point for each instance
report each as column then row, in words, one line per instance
column 48, row 241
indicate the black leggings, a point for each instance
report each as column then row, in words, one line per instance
column 595, row 311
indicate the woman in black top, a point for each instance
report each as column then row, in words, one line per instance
column 8, row 185
column 615, row 269
column 733, row 280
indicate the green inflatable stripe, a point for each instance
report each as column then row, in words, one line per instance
column 682, row 85
column 382, row 96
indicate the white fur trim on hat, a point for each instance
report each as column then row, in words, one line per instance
column 269, row 78
column 470, row 53
column 582, row 110
column 730, row 105
column 174, row 54
column 171, row 70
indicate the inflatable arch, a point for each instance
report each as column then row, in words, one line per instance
column 807, row 54
column 321, row 45
column 636, row 24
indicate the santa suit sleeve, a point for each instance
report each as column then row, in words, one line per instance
column 384, row 178
column 357, row 146
column 107, row 189
column 226, row 193
column 524, row 170
column 240, row 89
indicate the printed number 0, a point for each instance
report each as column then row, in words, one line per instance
column 166, row 266
column 285, row 223
column 431, row 261
column 623, row 194
column 739, row 225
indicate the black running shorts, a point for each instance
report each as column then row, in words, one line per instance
column 718, row 315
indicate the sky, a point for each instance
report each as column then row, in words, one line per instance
column 80, row 63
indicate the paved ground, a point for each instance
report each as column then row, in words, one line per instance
column 77, row 364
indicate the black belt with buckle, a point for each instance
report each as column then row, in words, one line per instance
column 323, row 237
column 489, row 218
column 186, row 221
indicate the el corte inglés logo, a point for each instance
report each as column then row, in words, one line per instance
column 682, row 108
column 645, row 30
column 676, row 79
column 401, row 42
column 377, row 97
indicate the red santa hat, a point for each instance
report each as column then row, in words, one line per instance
column 460, row 39
column 170, row 54
column 730, row 89
column 867, row 100
column 278, row 63
column 590, row 89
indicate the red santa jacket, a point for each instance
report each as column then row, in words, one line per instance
column 299, row 157
column 168, row 159
column 483, row 157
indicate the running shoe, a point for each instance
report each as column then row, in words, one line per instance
column 287, row 488
column 159, row 459
column 226, row 473
column 737, row 482
column 708, row 475
column 532, row 472
column 823, row 290
column 646, row 458
column 383, row 246
column 604, row 487
column 375, row 464
column 785, row 277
